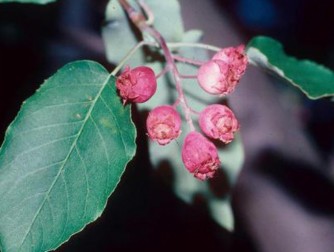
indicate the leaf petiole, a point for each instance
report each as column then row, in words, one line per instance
column 197, row 45
column 129, row 55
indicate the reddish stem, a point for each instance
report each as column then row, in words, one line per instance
column 139, row 20
column 163, row 72
column 189, row 61
column 183, row 76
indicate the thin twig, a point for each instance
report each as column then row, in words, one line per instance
column 197, row 45
column 148, row 12
column 128, row 55
column 139, row 20
column 183, row 76
column 187, row 60
column 163, row 72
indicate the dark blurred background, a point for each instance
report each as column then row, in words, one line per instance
column 144, row 213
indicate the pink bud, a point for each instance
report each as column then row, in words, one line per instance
column 218, row 122
column 221, row 74
column 200, row 156
column 136, row 85
column 163, row 124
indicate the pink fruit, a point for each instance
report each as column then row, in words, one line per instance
column 218, row 122
column 200, row 156
column 222, row 73
column 136, row 85
column 163, row 124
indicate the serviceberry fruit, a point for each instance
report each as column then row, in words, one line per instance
column 222, row 73
column 136, row 85
column 200, row 156
column 218, row 121
column 163, row 124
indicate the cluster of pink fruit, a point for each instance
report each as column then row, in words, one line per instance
column 217, row 76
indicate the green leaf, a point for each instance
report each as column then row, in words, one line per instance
column 314, row 80
column 28, row 1
column 62, row 157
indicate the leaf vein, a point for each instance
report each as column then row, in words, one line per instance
column 13, row 186
column 67, row 204
column 38, row 147
column 104, row 147
column 55, row 106
column 115, row 119
column 67, row 157
column 54, row 125
column 86, row 179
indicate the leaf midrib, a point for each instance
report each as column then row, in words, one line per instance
column 74, row 144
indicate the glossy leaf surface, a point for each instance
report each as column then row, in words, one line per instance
column 314, row 80
column 62, row 157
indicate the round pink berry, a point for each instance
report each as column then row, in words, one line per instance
column 213, row 77
column 136, row 85
column 163, row 124
column 222, row 73
column 218, row 122
column 200, row 156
